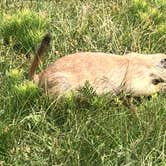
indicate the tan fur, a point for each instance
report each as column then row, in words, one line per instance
column 106, row 73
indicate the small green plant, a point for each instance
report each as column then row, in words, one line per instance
column 23, row 30
column 25, row 89
column 20, row 88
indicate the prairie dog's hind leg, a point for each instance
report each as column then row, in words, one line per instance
column 57, row 83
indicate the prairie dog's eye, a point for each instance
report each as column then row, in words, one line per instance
column 163, row 63
column 163, row 60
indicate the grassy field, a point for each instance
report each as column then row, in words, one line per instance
column 92, row 130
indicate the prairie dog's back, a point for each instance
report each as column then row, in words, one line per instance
column 99, row 69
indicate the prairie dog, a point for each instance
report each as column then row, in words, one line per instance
column 134, row 73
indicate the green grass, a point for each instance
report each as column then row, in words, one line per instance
column 23, row 30
column 90, row 130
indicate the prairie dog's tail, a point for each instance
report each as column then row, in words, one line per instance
column 41, row 50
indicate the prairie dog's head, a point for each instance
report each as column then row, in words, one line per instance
column 161, row 65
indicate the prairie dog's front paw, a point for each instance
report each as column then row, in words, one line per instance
column 163, row 87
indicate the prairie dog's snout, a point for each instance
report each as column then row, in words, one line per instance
column 107, row 73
